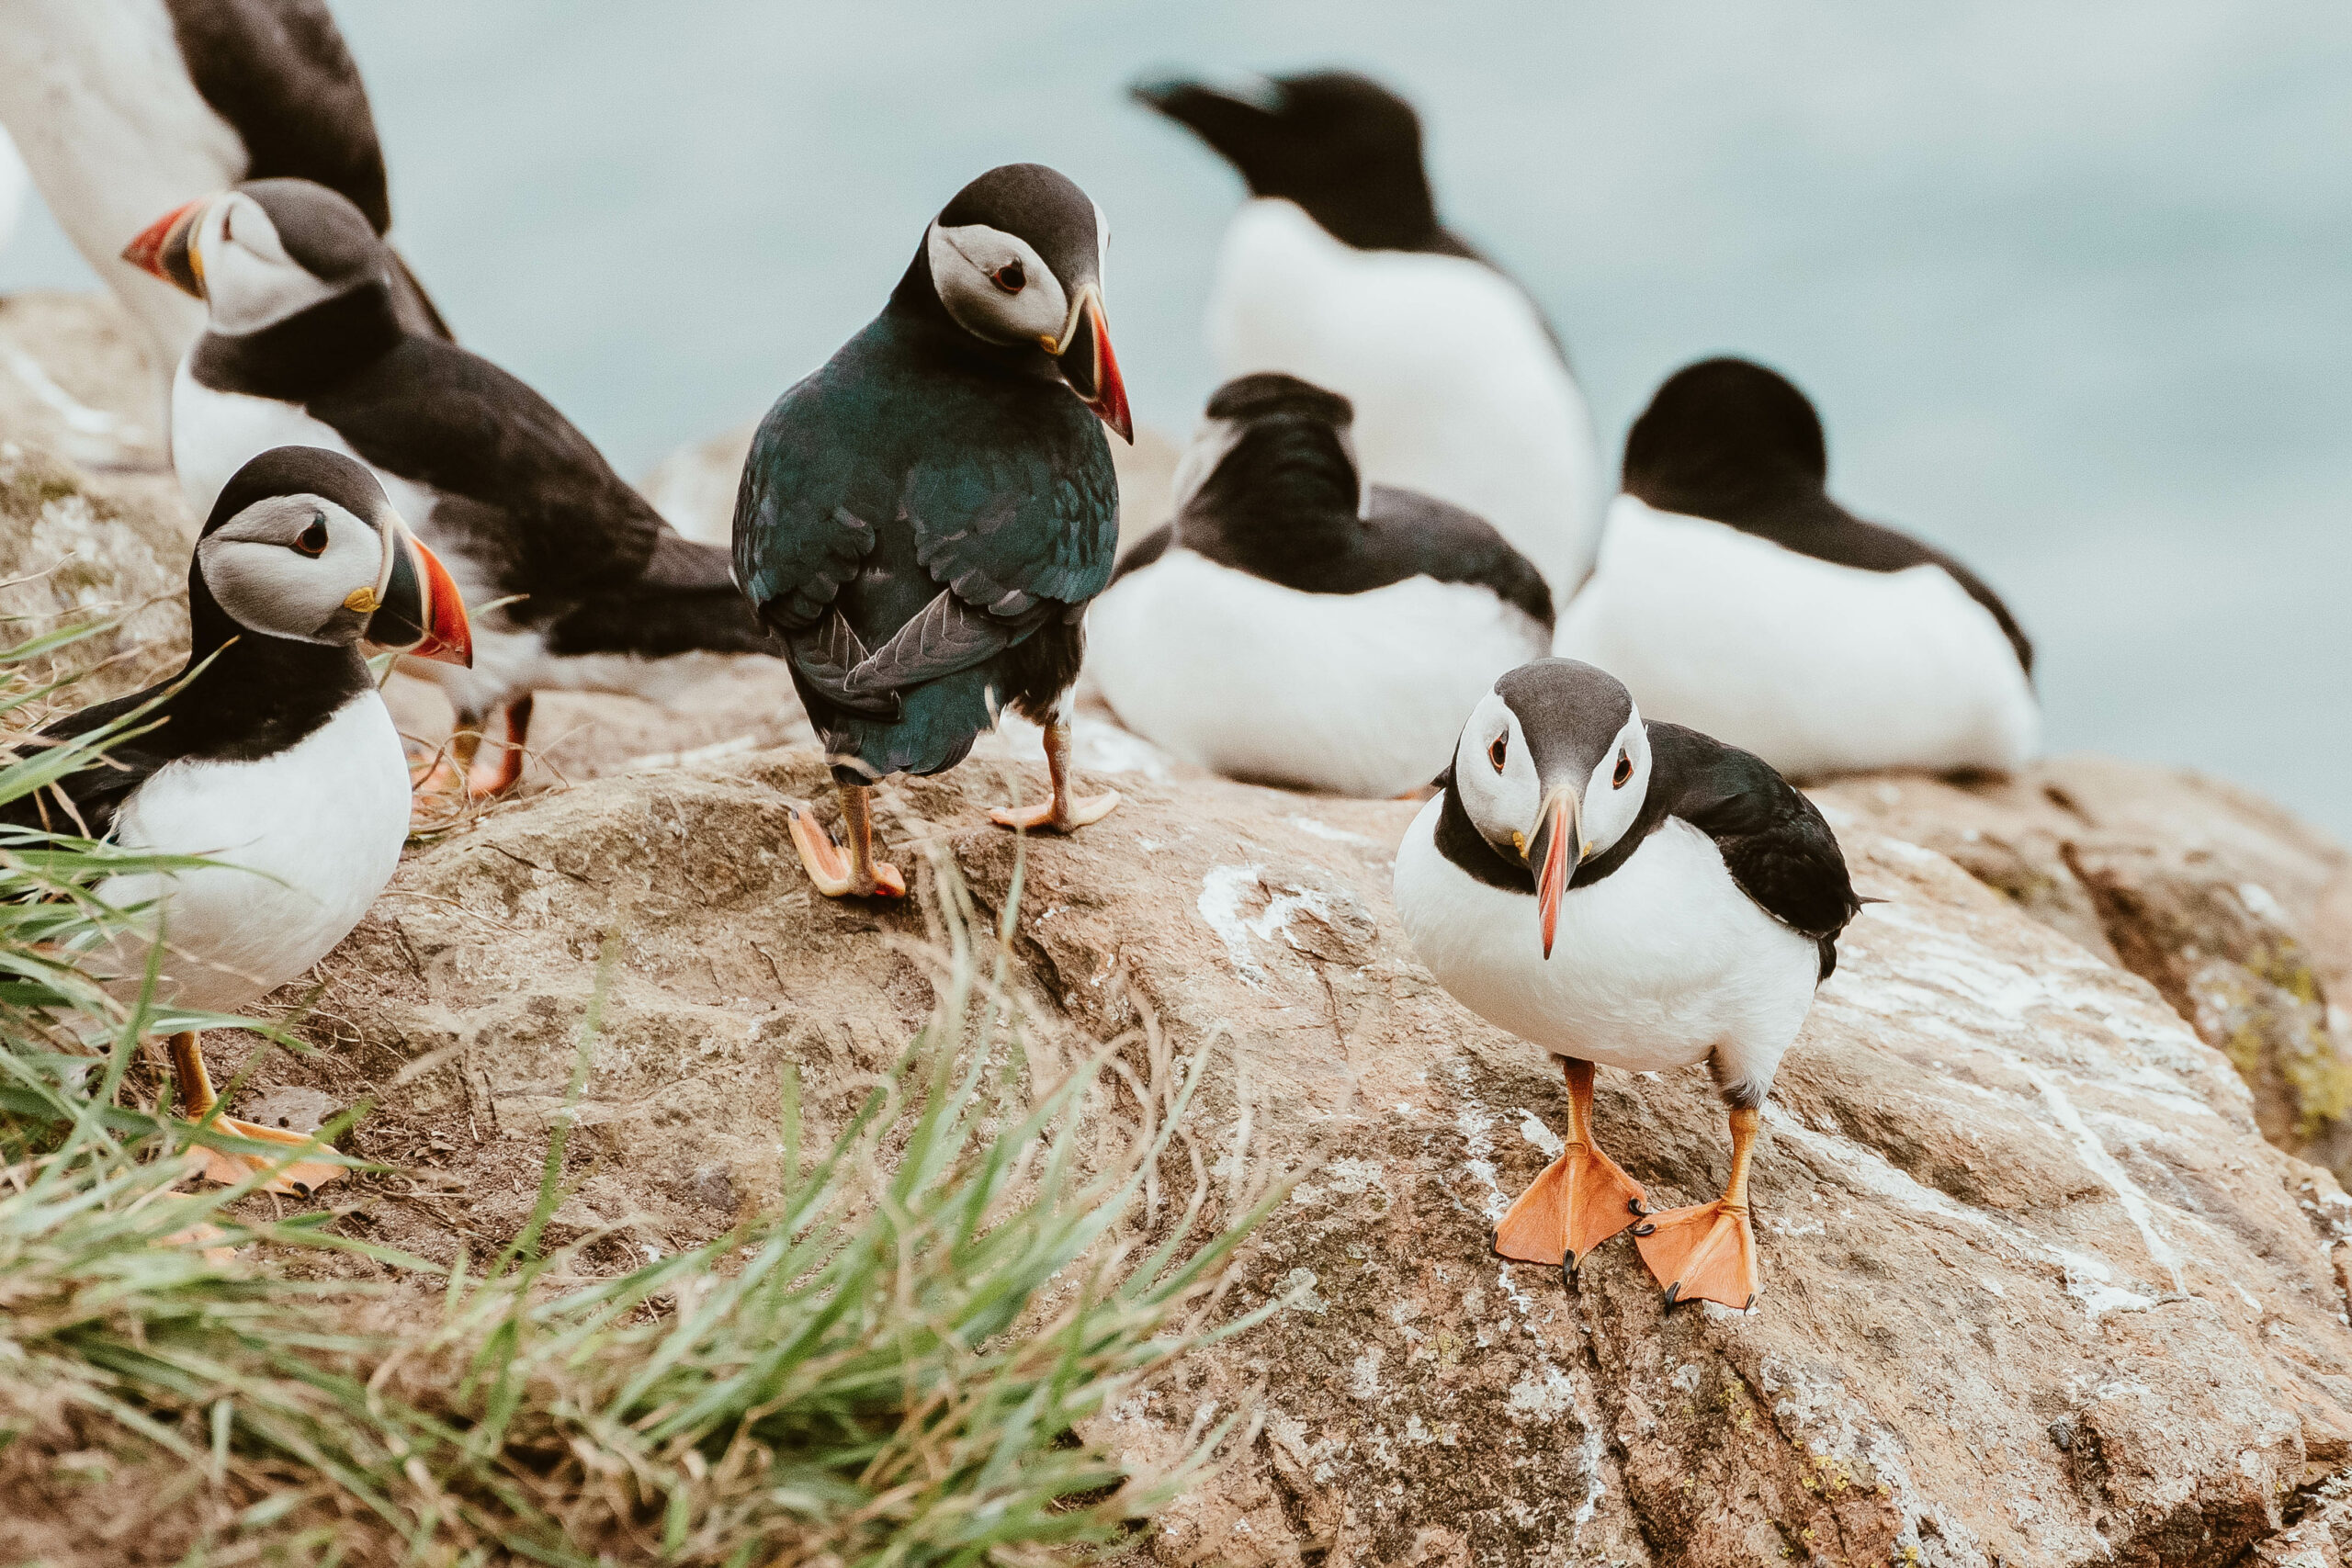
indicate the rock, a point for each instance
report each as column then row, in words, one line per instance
column 2231, row 909
column 2037, row 1289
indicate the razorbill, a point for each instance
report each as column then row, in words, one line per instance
column 1682, row 904
column 924, row 518
column 304, row 346
column 1735, row 595
column 1338, row 271
column 269, row 752
column 130, row 108
column 1293, row 625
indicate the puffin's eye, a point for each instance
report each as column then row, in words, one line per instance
column 313, row 539
column 1010, row 277
column 1499, row 750
column 1624, row 770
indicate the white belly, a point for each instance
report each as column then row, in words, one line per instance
column 1818, row 669
column 99, row 102
column 1659, row 964
column 1458, row 390
column 1358, row 693
column 310, row 838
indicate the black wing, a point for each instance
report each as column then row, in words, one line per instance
column 1774, row 841
column 83, row 803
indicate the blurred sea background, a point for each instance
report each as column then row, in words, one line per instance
column 2071, row 286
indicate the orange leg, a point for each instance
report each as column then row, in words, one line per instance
column 501, row 775
column 288, row 1174
column 1707, row 1252
column 1066, row 812
column 457, row 759
column 1581, row 1200
column 858, row 874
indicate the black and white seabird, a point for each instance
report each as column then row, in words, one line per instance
column 1338, row 270
column 270, row 752
column 125, row 108
column 1292, row 625
column 1732, row 594
column 924, row 519
column 305, row 348
column 1634, row 895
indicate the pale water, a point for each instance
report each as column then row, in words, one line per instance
column 2071, row 290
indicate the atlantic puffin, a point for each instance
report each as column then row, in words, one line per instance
column 304, row 346
column 924, row 518
column 1338, row 271
column 1293, row 625
column 269, row 752
column 1635, row 895
column 1734, row 594
column 130, row 108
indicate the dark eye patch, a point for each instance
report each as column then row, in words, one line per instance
column 312, row 540
column 1624, row 770
column 1500, row 750
column 1011, row 277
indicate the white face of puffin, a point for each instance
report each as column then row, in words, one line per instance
column 996, row 285
column 299, row 567
column 249, row 280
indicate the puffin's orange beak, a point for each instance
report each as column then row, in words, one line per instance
column 1083, row 352
column 420, row 612
column 162, row 249
column 1558, row 847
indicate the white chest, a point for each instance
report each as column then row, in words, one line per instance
column 308, row 839
column 1816, row 668
column 1662, row 963
column 1358, row 693
column 1458, row 390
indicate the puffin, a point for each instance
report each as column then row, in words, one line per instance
column 1630, row 894
column 923, row 519
column 1338, row 270
column 270, row 752
column 1291, row 624
column 306, row 346
column 129, row 107
column 1735, row 595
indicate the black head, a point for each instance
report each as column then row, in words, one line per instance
column 1722, row 436
column 263, row 252
column 1274, row 448
column 1342, row 146
column 303, row 547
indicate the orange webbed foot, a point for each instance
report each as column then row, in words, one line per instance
column 300, row 1177
column 1052, row 818
column 1580, row 1201
column 1706, row 1252
column 831, row 870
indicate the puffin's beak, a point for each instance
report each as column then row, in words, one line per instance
column 162, row 249
column 1553, row 854
column 1083, row 352
column 419, row 611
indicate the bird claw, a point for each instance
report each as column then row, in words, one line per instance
column 298, row 1178
column 1055, row 816
column 831, row 870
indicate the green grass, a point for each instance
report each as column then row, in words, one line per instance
column 888, row 1365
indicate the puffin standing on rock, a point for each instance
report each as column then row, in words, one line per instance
column 124, row 108
column 1293, row 625
column 1634, row 894
column 924, row 518
column 1338, row 270
column 305, row 347
column 271, row 752
column 1735, row 595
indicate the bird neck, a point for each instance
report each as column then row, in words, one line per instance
column 1286, row 493
column 1384, row 204
column 311, row 349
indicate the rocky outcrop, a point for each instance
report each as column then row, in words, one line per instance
column 2037, row 1289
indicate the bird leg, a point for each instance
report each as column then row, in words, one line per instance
column 856, row 875
column 1707, row 1252
column 457, row 759
column 1064, row 812
column 301, row 1177
column 500, row 776
column 1581, row 1200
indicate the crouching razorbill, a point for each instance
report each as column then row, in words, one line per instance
column 1732, row 594
column 270, row 752
column 1295, row 627
column 1634, row 894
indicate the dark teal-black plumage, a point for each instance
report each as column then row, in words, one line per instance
column 920, row 460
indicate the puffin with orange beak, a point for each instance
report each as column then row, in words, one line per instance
column 923, row 520
column 1632, row 895
column 270, row 754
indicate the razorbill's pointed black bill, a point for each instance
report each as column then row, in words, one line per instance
column 1290, row 626
column 1734, row 594
column 1338, row 271
column 924, row 519
column 304, row 346
column 129, row 109
column 1632, row 894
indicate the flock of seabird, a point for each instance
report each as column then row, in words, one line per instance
column 1392, row 558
